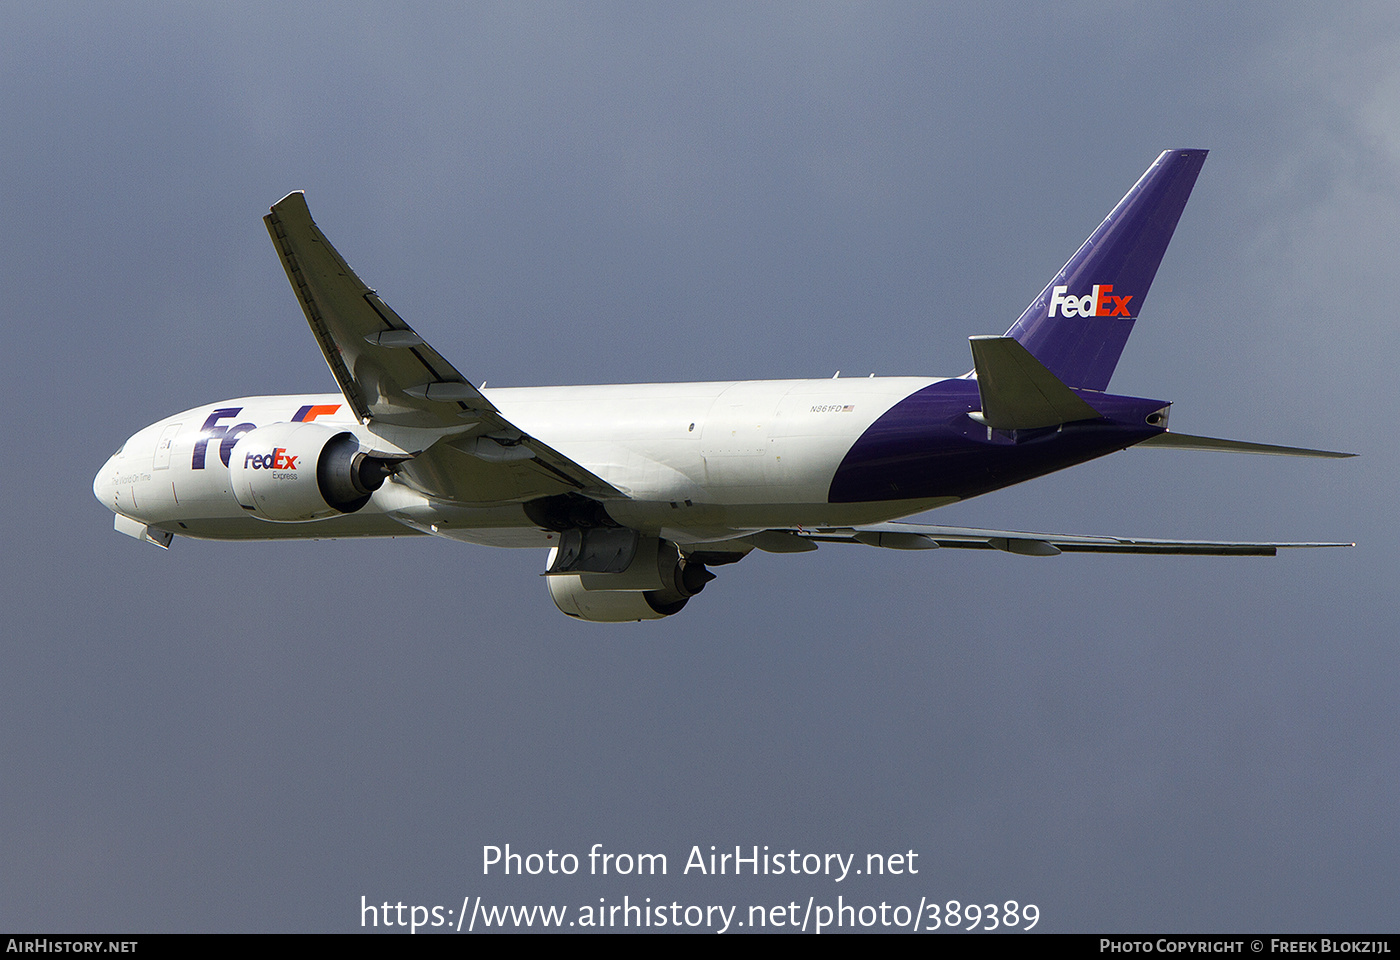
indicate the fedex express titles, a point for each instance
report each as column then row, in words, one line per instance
column 1100, row 303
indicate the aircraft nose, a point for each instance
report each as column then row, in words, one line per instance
column 104, row 486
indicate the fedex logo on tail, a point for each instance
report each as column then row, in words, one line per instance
column 1100, row 303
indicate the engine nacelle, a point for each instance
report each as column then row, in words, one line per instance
column 657, row 583
column 292, row 472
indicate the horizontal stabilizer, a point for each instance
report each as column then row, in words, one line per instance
column 1185, row 441
column 1018, row 392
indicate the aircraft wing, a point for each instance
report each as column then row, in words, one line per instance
column 398, row 384
column 920, row 536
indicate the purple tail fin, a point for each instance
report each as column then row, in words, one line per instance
column 1079, row 324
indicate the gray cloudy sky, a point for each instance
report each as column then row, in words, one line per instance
column 253, row 736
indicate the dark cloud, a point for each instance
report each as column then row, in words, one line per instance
column 252, row 736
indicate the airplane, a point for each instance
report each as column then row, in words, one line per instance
column 638, row 490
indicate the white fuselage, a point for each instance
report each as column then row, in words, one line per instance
column 697, row 461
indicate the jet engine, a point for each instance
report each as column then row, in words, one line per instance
column 657, row 583
column 291, row 472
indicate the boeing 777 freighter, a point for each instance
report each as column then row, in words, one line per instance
column 637, row 490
